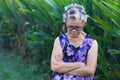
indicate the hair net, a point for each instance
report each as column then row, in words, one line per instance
column 74, row 11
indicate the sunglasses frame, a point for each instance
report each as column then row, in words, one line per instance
column 77, row 28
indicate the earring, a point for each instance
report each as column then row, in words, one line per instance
column 82, row 17
column 64, row 17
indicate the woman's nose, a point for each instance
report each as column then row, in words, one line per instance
column 74, row 29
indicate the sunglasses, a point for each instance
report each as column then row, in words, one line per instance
column 77, row 28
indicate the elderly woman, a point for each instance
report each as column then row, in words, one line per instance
column 74, row 55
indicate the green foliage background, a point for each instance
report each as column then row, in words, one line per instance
column 29, row 27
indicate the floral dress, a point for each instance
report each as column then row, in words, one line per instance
column 74, row 54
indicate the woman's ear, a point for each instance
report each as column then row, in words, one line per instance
column 85, row 20
column 64, row 28
column 83, row 23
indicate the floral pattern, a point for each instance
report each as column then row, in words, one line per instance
column 74, row 54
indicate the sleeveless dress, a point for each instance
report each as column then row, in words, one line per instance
column 74, row 54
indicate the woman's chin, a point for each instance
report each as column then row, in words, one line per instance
column 74, row 35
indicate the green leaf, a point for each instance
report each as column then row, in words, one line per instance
column 113, row 51
column 105, row 25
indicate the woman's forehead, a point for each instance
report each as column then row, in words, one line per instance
column 74, row 22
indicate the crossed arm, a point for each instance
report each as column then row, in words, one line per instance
column 74, row 68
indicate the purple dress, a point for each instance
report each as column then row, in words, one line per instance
column 74, row 54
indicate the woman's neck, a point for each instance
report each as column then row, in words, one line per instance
column 81, row 36
column 76, row 41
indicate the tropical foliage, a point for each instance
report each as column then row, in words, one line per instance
column 29, row 28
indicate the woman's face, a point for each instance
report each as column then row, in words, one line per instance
column 74, row 27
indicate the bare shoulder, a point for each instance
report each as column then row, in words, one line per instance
column 56, row 40
column 92, row 54
column 94, row 47
column 56, row 47
column 95, row 42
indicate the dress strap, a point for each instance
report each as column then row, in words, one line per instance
column 63, row 40
column 88, row 42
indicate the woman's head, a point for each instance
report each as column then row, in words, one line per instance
column 74, row 27
column 75, row 18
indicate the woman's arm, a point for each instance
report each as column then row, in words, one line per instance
column 57, row 64
column 90, row 67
